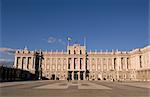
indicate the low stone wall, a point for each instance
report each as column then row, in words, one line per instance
column 143, row 75
column 13, row 74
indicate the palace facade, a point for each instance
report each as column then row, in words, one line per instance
column 78, row 64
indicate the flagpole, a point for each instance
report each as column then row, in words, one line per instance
column 84, row 41
column 68, row 42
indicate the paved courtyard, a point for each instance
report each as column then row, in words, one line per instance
column 50, row 88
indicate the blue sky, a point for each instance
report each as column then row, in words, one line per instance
column 44, row 24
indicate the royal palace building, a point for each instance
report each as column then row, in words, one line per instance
column 78, row 64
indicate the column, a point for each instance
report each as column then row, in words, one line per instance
column 45, row 67
column 79, row 63
column 148, row 76
column 112, row 64
column 56, row 72
column 27, row 65
column 83, row 64
column 107, row 67
column 83, row 75
column 25, row 61
column 61, row 67
column 22, row 63
column 72, row 75
column 72, row 64
column 79, row 75
column 125, row 63
column 96, row 64
column 15, row 62
column 50, row 64
column 118, row 63
column 101, row 64
column 30, row 63
column 90, row 65
column 67, row 59
column 62, row 64
column 33, row 62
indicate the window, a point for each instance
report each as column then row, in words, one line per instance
column 81, row 63
column 59, row 61
column 104, row 61
column 80, row 52
column 127, row 63
column 69, row 51
column 115, row 63
column 53, row 60
column 68, row 66
column 140, row 61
column 28, row 62
column 18, row 60
column 74, row 52
column 93, row 60
column 69, row 63
column 64, row 61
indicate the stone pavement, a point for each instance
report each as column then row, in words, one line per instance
column 50, row 88
column 137, row 84
column 78, row 84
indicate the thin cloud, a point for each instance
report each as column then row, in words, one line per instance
column 61, row 41
column 7, row 56
column 52, row 40
column 6, row 60
column 9, row 51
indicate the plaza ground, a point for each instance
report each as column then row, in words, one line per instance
column 49, row 88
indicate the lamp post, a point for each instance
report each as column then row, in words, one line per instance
column 38, row 67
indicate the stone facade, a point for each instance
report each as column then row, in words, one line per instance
column 78, row 64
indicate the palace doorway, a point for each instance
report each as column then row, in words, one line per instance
column 53, row 77
column 75, row 75
column 81, row 75
column 69, row 75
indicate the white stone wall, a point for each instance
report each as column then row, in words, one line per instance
column 100, row 64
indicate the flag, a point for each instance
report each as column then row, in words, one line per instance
column 69, row 39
